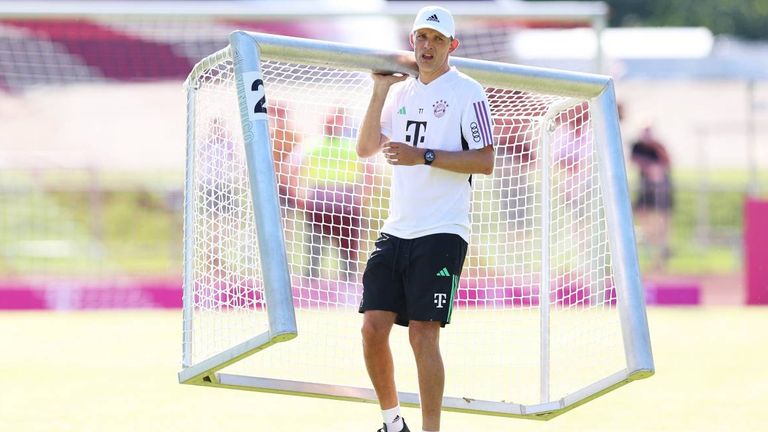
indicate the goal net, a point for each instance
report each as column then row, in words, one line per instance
column 548, row 312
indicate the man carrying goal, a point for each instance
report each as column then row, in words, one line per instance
column 436, row 131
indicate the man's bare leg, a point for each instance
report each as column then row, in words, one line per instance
column 378, row 357
column 425, row 341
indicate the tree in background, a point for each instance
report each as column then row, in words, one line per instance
column 747, row 19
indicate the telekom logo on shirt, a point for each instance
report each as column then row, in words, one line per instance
column 419, row 132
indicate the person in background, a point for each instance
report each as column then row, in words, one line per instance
column 335, row 199
column 286, row 143
column 654, row 201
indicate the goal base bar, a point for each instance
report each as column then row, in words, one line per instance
column 203, row 373
column 545, row 411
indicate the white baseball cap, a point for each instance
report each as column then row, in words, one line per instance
column 435, row 18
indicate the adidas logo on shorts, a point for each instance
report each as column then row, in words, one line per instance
column 433, row 17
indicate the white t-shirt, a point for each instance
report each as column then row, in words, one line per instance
column 450, row 113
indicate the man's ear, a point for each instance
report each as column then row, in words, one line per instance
column 410, row 40
column 454, row 45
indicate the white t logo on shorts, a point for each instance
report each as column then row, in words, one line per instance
column 440, row 300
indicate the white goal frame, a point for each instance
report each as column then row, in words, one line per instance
column 247, row 50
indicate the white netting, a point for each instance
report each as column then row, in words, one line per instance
column 226, row 270
column 333, row 205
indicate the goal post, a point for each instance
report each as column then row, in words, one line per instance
column 280, row 215
column 637, row 342
column 266, row 210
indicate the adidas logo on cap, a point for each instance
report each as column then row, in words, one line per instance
column 435, row 18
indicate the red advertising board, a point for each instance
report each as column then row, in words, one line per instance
column 756, row 251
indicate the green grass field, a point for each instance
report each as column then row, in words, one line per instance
column 116, row 371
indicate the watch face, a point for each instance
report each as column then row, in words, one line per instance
column 429, row 156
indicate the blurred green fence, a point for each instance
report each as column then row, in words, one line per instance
column 87, row 224
column 705, row 234
column 91, row 224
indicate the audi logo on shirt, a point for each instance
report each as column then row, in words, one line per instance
column 475, row 132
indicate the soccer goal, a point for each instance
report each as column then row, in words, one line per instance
column 280, row 216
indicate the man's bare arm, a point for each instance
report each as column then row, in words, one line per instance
column 369, row 137
column 468, row 161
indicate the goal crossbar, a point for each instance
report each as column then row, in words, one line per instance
column 351, row 57
column 246, row 51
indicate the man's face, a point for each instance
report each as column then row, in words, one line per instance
column 431, row 49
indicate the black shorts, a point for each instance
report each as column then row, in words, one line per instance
column 415, row 278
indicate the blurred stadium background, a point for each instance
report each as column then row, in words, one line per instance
column 92, row 135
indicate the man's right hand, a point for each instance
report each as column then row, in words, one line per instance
column 369, row 136
column 383, row 81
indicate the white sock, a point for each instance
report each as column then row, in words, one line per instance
column 392, row 419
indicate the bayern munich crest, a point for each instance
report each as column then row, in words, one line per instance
column 440, row 107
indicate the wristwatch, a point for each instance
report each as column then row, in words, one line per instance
column 429, row 157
